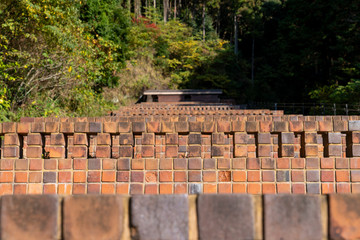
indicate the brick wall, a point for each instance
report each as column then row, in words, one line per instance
column 155, row 217
column 306, row 155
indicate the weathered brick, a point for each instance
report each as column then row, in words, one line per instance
column 287, row 138
column 110, row 127
column 223, row 126
column 344, row 220
column 95, row 127
column 354, row 125
column 80, row 139
column 51, row 127
column 67, row 127
column 293, row 217
column 296, row 126
column 56, row 152
column 30, row 217
column 171, row 221
column 194, row 138
column 226, row 217
column 238, row 126
column 182, row 127
column 334, row 137
column 153, row 127
column 264, row 138
column 57, row 139
column 93, row 217
column 103, row 139
column 8, row 127
column 125, row 127
column 240, row 138
column 103, row 152
column 138, row 127
column 252, row 126
column 10, row 152
column 208, row 127
column 11, row 139
column 82, row 127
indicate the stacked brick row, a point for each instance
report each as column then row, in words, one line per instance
column 191, row 110
column 165, row 217
column 180, row 157
column 193, row 118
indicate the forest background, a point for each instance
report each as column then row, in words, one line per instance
column 86, row 57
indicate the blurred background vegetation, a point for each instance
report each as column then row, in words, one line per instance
column 86, row 57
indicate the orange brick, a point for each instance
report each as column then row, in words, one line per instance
column 35, row 188
column 65, row 189
column 6, row 188
column 327, row 176
column 107, row 188
column 224, row 188
column 180, row 176
column 166, row 188
column 35, row 164
column 283, row 163
column 210, row 188
column 268, row 188
column 180, row 188
column 254, row 188
column 21, row 177
column 151, row 189
column 343, row 188
column 79, row 177
column 209, row 176
column 327, row 188
column 64, row 164
column 239, row 188
column 79, row 164
column 239, row 176
column 64, row 177
column 108, row 176
column 342, row 176
column 7, row 164
column 253, row 176
column 35, row 177
column 298, row 188
column 165, row 176
column 93, row 188
column 137, row 164
column 49, row 189
column 109, row 164
column 283, row 187
column 79, row 189
column 122, row 188
column 327, row 163
column 166, row 164
column 151, row 176
column 298, row 163
column 151, row 164
column 224, row 176
column 19, row 188
column 6, row 177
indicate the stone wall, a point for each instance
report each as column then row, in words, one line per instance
column 181, row 154
column 164, row 217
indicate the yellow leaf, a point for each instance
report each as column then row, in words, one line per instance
column 70, row 68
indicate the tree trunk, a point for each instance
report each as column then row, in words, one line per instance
column 218, row 22
column 165, row 6
column 175, row 9
column 129, row 5
column 236, row 42
column 154, row 4
column 203, row 21
column 252, row 60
